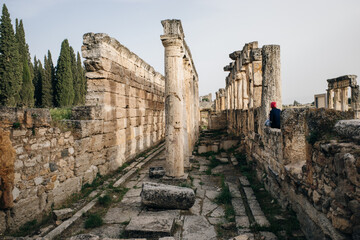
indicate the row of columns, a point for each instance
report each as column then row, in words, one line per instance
column 337, row 94
column 181, row 99
column 245, row 82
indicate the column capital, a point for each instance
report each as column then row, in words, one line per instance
column 171, row 40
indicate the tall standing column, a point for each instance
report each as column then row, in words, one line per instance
column 344, row 99
column 174, row 77
column 337, row 104
column 271, row 81
column 330, row 98
column 355, row 101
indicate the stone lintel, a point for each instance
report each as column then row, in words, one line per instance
column 342, row 81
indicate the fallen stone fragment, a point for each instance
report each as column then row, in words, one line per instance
column 62, row 214
column 167, row 196
column 150, row 226
column 156, row 172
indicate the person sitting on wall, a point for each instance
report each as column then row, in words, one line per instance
column 274, row 116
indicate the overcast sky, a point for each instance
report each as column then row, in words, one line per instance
column 319, row 39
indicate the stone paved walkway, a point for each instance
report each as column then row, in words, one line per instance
column 205, row 220
column 242, row 218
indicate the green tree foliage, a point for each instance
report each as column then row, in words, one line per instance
column 37, row 82
column 47, row 82
column 64, row 95
column 83, row 84
column 10, row 64
column 76, row 78
column 27, row 89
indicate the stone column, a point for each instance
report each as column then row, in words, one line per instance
column 245, row 90
column 344, row 99
column 174, row 77
column 337, row 104
column 355, row 101
column 330, row 98
column 271, row 81
column 239, row 88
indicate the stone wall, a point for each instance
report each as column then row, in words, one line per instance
column 123, row 116
column 317, row 179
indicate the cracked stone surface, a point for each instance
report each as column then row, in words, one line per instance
column 197, row 227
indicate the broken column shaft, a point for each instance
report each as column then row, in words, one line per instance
column 271, row 82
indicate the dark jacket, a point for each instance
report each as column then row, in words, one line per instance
column 275, row 118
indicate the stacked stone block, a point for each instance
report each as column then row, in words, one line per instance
column 123, row 116
column 128, row 95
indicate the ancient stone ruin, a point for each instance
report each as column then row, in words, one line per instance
column 337, row 94
column 141, row 130
column 181, row 99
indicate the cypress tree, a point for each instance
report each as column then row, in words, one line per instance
column 64, row 80
column 47, row 81
column 27, row 89
column 37, row 83
column 76, row 79
column 81, row 74
column 10, row 64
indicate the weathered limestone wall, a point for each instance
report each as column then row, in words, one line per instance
column 300, row 165
column 123, row 116
column 318, row 180
column 181, row 99
column 128, row 95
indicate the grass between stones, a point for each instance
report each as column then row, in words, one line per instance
column 93, row 220
column 224, row 198
column 283, row 222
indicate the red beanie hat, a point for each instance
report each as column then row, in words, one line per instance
column 273, row 104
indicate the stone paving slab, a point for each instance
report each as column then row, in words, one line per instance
column 196, row 208
column 262, row 221
column 197, row 227
column 108, row 231
column 133, row 193
column 211, row 194
column 218, row 212
column 238, row 206
column 249, row 193
column 234, row 189
column 150, row 226
column 208, row 207
column 175, row 214
column 120, row 214
column 255, row 207
column 242, row 221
